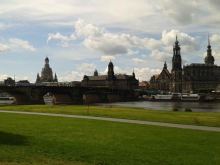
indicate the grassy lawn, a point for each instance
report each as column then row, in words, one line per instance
column 195, row 118
column 27, row 139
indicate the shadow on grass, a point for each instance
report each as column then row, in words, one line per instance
column 12, row 139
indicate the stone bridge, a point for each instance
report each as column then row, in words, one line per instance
column 34, row 94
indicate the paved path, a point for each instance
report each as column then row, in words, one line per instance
column 183, row 126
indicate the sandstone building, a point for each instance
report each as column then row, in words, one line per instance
column 46, row 73
column 111, row 80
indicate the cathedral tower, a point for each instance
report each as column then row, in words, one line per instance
column 96, row 73
column 111, row 74
column 176, row 85
column 209, row 59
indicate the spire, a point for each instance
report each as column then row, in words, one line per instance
column 165, row 65
column 209, row 44
column 55, row 78
column 209, row 59
column 110, row 70
column 96, row 72
column 177, row 42
column 176, row 60
column 209, row 40
column 133, row 73
column 38, row 78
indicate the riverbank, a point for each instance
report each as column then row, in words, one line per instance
column 192, row 118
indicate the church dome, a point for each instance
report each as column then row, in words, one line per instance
column 47, row 60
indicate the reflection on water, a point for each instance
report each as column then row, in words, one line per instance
column 169, row 106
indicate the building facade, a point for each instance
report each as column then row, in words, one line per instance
column 193, row 78
column 111, row 80
column 161, row 81
column 46, row 73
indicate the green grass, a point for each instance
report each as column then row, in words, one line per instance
column 194, row 118
column 27, row 139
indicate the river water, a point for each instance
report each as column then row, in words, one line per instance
column 170, row 106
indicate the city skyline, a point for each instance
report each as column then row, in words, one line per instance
column 81, row 36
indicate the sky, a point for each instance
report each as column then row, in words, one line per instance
column 80, row 36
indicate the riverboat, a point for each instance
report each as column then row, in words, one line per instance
column 7, row 100
column 190, row 97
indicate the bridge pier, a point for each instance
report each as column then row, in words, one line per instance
column 92, row 98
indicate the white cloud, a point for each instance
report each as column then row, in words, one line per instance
column 4, row 26
column 107, row 58
column 21, row 44
column 78, row 73
column 14, row 44
column 63, row 39
column 83, row 29
column 188, row 43
column 4, row 47
column 161, row 56
column 215, row 39
column 145, row 15
column 71, row 76
column 182, row 12
column 3, row 77
column 138, row 61
column 17, row 78
column 86, row 68
column 144, row 74
column 112, row 44
column 96, row 38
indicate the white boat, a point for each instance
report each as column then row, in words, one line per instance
column 190, row 97
column 7, row 100
column 162, row 97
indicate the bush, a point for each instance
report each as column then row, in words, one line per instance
column 175, row 109
column 188, row 110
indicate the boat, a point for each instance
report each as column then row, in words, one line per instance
column 7, row 100
column 162, row 97
column 190, row 97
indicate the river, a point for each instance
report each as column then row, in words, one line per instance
column 170, row 106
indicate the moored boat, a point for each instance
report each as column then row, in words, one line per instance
column 7, row 100
column 190, row 97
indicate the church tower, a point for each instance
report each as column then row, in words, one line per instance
column 46, row 73
column 209, row 59
column 96, row 73
column 165, row 65
column 55, row 78
column 38, row 78
column 133, row 74
column 176, row 85
column 111, row 74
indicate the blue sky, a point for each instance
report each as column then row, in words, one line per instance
column 80, row 36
